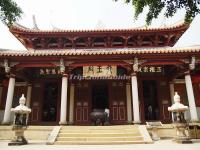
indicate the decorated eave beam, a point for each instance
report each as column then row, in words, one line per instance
column 96, row 63
column 163, row 62
column 33, row 65
column 62, row 39
column 162, row 54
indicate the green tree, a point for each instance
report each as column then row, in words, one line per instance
column 170, row 7
column 9, row 11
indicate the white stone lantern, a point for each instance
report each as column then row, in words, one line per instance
column 179, row 121
column 21, row 113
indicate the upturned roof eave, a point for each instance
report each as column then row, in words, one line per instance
column 19, row 28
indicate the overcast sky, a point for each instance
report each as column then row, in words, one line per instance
column 88, row 14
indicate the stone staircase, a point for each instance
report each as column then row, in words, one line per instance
column 121, row 134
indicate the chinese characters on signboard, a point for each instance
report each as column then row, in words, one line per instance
column 99, row 71
column 151, row 69
column 49, row 71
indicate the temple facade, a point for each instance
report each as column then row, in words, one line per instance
column 67, row 74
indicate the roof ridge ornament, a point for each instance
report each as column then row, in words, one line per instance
column 54, row 27
column 35, row 26
column 100, row 25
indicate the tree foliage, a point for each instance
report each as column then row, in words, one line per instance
column 170, row 7
column 9, row 11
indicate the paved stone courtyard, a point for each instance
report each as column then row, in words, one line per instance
column 162, row 145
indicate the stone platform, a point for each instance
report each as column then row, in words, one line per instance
column 32, row 132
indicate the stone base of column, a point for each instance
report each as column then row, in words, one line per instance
column 63, row 123
column 194, row 121
column 129, row 122
column 6, row 123
column 71, row 123
column 136, row 122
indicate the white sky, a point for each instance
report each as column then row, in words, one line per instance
column 85, row 14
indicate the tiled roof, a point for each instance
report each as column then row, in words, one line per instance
column 164, row 28
column 85, row 52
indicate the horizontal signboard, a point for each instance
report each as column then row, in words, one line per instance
column 99, row 71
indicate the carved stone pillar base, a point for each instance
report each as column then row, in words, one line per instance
column 129, row 122
column 71, row 123
column 63, row 123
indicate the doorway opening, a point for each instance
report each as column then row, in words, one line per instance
column 151, row 108
column 49, row 108
column 100, row 95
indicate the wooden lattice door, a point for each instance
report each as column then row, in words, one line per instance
column 117, row 94
column 82, row 103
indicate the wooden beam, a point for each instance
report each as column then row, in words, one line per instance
column 79, row 64
column 32, row 65
column 160, row 62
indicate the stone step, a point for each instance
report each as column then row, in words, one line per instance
column 97, row 134
column 99, row 131
column 99, row 127
column 122, row 134
column 96, row 142
column 132, row 138
column 85, row 128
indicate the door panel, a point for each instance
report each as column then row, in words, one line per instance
column 82, row 99
column 85, row 114
column 150, row 97
column 49, row 107
column 36, row 98
column 115, row 113
column 122, row 113
column 117, row 94
column 78, row 114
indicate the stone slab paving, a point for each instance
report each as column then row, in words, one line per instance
column 159, row 145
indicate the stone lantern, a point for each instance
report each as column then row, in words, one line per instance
column 179, row 122
column 21, row 113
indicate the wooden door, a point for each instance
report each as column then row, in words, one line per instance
column 82, row 103
column 36, row 98
column 117, row 94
